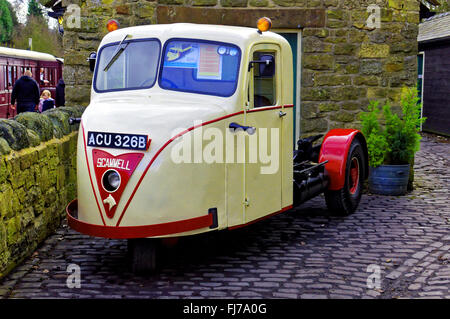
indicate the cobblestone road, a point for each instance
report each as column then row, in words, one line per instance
column 303, row 253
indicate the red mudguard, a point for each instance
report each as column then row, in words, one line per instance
column 335, row 147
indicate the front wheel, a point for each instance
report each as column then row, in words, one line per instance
column 345, row 201
column 143, row 253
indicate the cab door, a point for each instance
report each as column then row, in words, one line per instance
column 263, row 165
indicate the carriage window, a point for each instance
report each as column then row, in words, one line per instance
column 264, row 85
column 203, row 67
column 5, row 77
column 55, row 80
column 44, row 77
column 50, row 76
column 10, row 76
column 134, row 68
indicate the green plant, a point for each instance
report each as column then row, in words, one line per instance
column 377, row 145
column 402, row 133
column 393, row 139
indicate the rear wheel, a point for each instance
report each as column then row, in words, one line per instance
column 143, row 253
column 345, row 201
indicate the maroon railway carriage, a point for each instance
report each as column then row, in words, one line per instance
column 46, row 69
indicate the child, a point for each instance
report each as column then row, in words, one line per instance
column 46, row 101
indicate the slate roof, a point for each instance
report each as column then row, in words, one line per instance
column 434, row 28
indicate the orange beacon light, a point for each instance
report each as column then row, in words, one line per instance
column 264, row 24
column 112, row 25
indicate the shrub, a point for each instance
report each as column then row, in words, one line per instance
column 393, row 139
column 377, row 145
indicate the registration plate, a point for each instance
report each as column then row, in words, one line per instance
column 117, row 140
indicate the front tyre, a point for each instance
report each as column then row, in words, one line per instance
column 143, row 253
column 344, row 202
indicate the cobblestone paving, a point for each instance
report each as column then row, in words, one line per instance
column 303, row 253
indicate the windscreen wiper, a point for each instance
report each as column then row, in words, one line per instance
column 122, row 46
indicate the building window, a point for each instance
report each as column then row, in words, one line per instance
column 420, row 74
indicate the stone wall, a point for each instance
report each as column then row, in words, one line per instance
column 344, row 62
column 37, row 180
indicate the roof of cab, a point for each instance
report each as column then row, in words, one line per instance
column 231, row 34
column 26, row 54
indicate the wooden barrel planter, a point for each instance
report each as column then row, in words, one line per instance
column 389, row 179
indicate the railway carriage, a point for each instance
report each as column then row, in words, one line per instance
column 46, row 69
column 190, row 130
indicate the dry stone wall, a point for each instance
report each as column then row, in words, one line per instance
column 37, row 179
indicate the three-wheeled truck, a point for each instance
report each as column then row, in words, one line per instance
column 190, row 130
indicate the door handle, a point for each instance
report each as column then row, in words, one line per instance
column 281, row 114
column 249, row 129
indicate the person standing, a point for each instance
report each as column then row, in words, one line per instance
column 60, row 97
column 26, row 93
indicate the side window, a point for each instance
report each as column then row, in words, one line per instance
column 5, row 77
column 264, row 82
column 10, row 76
column 32, row 71
column 50, row 76
column 15, row 74
column 41, row 76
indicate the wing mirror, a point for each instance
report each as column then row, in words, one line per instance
column 266, row 65
column 92, row 59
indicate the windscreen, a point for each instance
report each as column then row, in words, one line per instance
column 126, row 66
column 203, row 67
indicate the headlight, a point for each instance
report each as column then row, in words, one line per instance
column 111, row 180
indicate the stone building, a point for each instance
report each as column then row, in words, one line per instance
column 346, row 52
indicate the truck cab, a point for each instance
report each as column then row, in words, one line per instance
column 190, row 130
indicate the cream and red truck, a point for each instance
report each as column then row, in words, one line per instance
column 190, row 130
